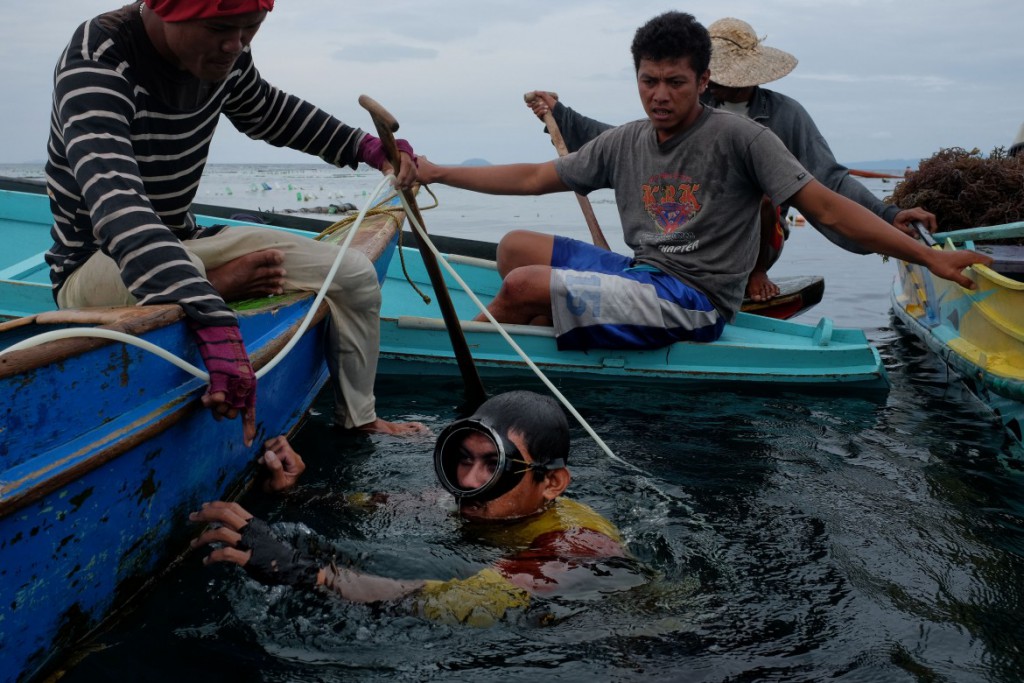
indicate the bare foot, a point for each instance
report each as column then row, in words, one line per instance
column 380, row 426
column 254, row 275
column 760, row 288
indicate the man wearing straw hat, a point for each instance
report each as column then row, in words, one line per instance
column 138, row 93
column 740, row 64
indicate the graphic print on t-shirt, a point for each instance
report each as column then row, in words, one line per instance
column 671, row 200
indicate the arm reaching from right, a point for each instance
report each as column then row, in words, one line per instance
column 507, row 179
column 852, row 220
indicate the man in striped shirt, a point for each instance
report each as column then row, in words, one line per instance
column 138, row 93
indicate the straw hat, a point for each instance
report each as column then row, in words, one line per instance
column 739, row 60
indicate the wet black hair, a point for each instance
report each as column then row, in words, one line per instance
column 673, row 35
column 539, row 419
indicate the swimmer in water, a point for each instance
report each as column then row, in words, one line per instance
column 507, row 467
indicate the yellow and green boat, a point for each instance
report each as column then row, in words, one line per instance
column 978, row 333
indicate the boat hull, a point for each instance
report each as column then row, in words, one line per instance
column 105, row 448
column 87, row 516
column 978, row 333
column 753, row 350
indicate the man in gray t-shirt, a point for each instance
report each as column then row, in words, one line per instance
column 711, row 175
column 688, row 184
column 740, row 64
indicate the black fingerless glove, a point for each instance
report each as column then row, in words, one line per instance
column 274, row 561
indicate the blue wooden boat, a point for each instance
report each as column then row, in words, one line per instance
column 978, row 333
column 754, row 350
column 105, row 448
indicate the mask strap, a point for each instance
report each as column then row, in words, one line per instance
column 556, row 464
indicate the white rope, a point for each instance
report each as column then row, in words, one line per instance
column 425, row 239
column 100, row 333
column 185, row 365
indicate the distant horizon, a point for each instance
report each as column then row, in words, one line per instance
column 873, row 165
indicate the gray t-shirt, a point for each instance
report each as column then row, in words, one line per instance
column 691, row 206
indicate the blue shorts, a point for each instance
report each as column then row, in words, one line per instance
column 598, row 300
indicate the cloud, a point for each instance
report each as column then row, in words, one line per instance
column 928, row 72
column 383, row 53
column 937, row 83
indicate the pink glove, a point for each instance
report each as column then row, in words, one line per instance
column 371, row 151
column 231, row 375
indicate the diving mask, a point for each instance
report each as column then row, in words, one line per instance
column 475, row 462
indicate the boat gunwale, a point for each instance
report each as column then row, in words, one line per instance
column 979, row 297
column 55, row 475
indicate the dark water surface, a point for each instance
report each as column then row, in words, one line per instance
column 787, row 537
column 783, row 537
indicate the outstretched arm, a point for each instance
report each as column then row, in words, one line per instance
column 371, row 151
column 834, row 211
column 251, row 544
column 508, row 179
column 798, row 131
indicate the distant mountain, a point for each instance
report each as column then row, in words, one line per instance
column 897, row 165
column 475, row 162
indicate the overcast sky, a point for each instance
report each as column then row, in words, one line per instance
column 883, row 79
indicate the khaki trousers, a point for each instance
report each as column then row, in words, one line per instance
column 353, row 299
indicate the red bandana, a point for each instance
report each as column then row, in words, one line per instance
column 187, row 10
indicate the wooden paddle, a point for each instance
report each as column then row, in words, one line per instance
column 588, row 211
column 872, row 174
column 386, row 127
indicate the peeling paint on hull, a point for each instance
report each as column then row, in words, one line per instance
column 87, row 519
column 104, row 448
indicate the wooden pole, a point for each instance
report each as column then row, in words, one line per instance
column 386, row 127
column 588, row 211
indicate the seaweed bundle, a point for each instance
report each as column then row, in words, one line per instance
column 965, row 189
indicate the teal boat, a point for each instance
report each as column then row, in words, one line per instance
column 105, row 448
column 753, row 351
column 978, row 333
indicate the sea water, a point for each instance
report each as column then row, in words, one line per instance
column 784, row 537
column 857, row 287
